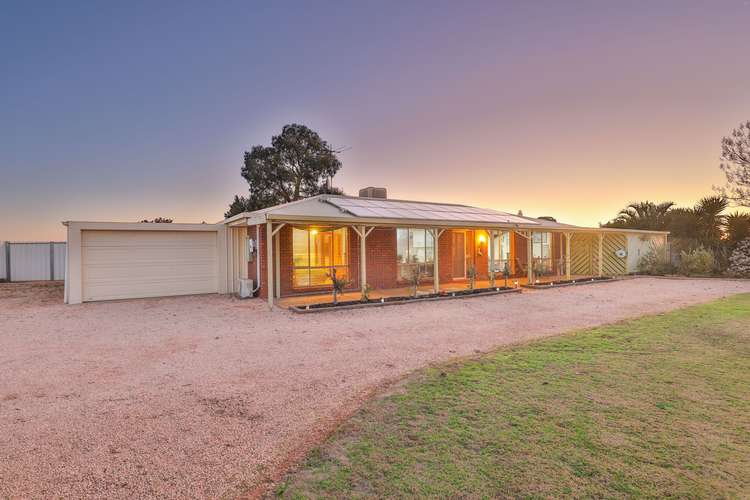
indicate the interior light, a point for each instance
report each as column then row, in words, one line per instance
column 313, row 231
column 481, row 238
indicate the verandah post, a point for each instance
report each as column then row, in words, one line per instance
column 362, row 259
column 492, row 257
column 435, row 266
column 529, row 258
column 269, row 263
column 567, row 256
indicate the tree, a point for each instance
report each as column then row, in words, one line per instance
column 298, row 164
column 642, row 215
column 735, row 156
column 736, row 227
column 158, row 220
column 739, row 262
column 710, row 220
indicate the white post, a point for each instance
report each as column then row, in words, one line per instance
column 269, row 263
column 277, row 263
column 435, row 266
column 362, row 259
column 491, row 254
column 601, row 253
column 530, row 258
column 567, row 256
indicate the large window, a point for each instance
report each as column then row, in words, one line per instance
column 416, row 252
column 316, row 252
column 541, row 247
column 501, row 252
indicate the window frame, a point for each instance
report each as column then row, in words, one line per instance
column 403, row 263
column 501, row 260
column 545, row 241
column 308, row 269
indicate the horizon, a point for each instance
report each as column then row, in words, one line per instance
column 122, row 113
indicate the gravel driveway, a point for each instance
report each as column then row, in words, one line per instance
column 209, row 396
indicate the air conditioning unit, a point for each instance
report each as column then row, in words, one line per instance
column 246, row 288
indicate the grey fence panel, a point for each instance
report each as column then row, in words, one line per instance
column 34, row 261
column 3, row 259
column 59, row 250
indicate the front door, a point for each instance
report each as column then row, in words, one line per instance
column 459, row 254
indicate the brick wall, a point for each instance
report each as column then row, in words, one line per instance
column 382, row 267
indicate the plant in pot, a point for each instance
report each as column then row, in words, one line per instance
column 338, row 285
column 506, row 273
column 471, row 273
column 366, row 293
column 414, row 279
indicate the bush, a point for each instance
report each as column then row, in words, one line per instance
column 739, row 261
column 697, row 262
column 656, row 262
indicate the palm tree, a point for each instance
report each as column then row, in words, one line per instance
column 642, row 215
column 710, row 220
column 736, row 227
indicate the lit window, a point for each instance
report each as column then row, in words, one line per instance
column 541, row 246
column 501, row 252
column 415, row 252
column 315, row 253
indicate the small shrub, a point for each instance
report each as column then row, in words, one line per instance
column 697, row 262
column 414, row 279
column 739, row 261
column 471, row 273
column 366, row 292
column 339, row 284
column 655, row 262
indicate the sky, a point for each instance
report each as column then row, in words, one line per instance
column 120, row 111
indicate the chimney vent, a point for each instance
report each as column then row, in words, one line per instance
column 373, row 192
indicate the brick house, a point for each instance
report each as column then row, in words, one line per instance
column 293, row 249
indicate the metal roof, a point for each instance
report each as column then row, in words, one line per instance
column 397, row 209
column 342, row 209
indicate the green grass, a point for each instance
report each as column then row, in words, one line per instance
column 655, row 407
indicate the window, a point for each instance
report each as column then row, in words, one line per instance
column 415, row 252
column 501, row 252
column 315, row 253
column 541, row 247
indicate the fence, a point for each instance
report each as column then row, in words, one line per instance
column 32, row 261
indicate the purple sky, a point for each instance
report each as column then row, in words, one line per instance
column 569, row 109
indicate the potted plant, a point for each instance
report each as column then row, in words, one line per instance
column 366, row 293
column 415, row 278
column 471, row 273
column 338, row 284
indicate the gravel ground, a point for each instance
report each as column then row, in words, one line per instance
column 207, row 396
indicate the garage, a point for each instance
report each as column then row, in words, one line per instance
column 121, row 261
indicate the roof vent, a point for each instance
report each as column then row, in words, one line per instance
column 373, row 192
column 547, row 217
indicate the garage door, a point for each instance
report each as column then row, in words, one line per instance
column 128, row 264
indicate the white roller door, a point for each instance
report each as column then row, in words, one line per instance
column 131, row 264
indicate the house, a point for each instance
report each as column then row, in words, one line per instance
column 294, row 248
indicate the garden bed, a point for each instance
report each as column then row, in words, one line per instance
column 543, row 285
column 385, row 301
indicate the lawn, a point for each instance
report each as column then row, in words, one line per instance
column 654, row 407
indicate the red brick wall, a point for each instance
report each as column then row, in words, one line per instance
column 382, row 268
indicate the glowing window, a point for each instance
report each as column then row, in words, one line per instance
column 316, row 253
column 415, row 252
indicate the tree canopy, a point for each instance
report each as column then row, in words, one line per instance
column 704, row 224
column 298, row 164
column 735, row 156
column 158, row 220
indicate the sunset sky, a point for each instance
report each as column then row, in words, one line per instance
column 571, row 109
